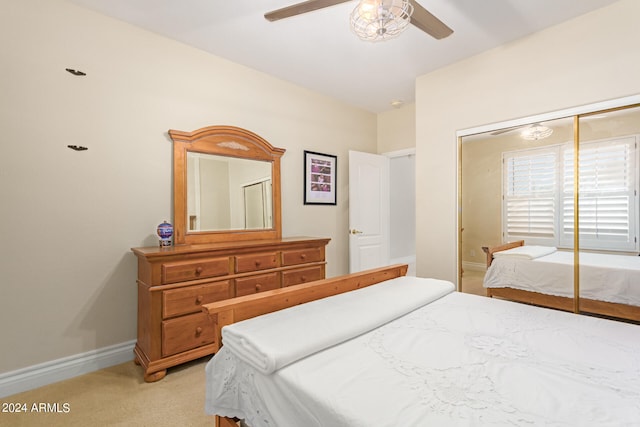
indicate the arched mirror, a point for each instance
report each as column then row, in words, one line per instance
column 226, row 186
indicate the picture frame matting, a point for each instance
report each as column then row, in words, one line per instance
column 320, row 178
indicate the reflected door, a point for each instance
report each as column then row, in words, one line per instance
column 256, row 205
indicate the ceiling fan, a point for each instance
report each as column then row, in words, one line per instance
column 420, row 18
column 533, row 131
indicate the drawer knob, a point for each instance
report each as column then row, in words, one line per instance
column 199, row 299
column 258, row 287
column 258, row 263
column 198, row 331
column 198, row 270
column 303, row 278
column 303, row 256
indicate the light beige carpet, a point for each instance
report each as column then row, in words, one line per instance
column 472, row 282
column 118, row 396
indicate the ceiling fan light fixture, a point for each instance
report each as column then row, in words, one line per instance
column 377, row 20
column 536, row 131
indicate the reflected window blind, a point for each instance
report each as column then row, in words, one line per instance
column 608, row 211
column 530, row 195
column 538, row 203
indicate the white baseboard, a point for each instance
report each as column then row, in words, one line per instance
column 61, row 369
column 474, row 266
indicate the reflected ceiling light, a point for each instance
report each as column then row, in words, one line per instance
column 376, row 20
column 536, row 132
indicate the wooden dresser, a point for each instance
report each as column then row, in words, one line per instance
column 173, row 283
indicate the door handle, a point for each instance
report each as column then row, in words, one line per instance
column 354, row 231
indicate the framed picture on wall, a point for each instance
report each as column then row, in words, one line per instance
column 320, row 178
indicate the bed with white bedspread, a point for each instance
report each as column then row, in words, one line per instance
column 437, row 357
column 542, row 275
column 605, row 277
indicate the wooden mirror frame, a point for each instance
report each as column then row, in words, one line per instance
column 227, row 141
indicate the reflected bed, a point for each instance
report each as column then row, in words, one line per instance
column 434, row 356
column 609, row 283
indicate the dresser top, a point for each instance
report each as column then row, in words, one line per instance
column 163, row 251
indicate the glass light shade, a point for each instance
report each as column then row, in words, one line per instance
column 376, row 20
column 535, row 132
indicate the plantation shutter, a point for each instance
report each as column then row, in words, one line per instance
column 607, row 191
column 529, row 196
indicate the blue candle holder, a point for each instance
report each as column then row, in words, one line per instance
column 165, row 231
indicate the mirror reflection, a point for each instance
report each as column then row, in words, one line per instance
column 228, row 193
column 518, row 194
column 608, row 213
column 511, row 191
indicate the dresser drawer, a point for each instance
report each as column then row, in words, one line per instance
column 176, row 302
column 187, row 332
column 253, row 262
column 302, row 256
column 182, row 271
column 255, row 284
column 302, row 275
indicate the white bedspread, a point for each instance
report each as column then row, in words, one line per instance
column 603, row 277
column 274, row 340
column 462, row 360
column 526, row 252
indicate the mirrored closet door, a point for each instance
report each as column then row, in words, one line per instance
column 519, row 186
column 608, row 174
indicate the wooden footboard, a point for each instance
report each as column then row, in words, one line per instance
column 236, row 309
column 533, row 298
column 490, row 251
column 586, row 306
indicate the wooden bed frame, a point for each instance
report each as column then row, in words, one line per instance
column 589, row 306
column 236, row 309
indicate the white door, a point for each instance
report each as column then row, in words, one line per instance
column 254, row 206
column 368, row 211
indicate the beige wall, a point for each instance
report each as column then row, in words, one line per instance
column 70, row 218
column 397, row 129
column 592, row 58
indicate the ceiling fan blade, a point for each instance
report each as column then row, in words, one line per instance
column 505, row 130
column 514, row 128
column 424, row 20
column 300, row 8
